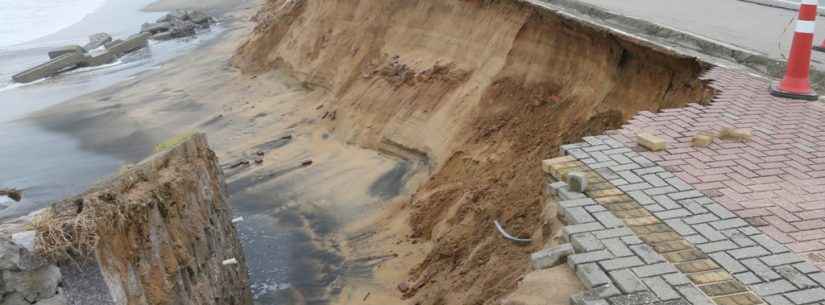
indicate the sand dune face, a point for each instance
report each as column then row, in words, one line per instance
column 478, row 92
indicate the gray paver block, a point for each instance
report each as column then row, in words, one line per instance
column 747, row 278
column 685, row 195
column 592, row 276
column 729, row 224
column 654, row 270
column 627, row 281
column 641, row 197
column 748, row 252
column 662, row 289
column 740, row 239
column 608, row 220
column 708, row 232
column 727, row 262
column 680, row 227
column 647, row 254
column 694, row 295
column 701, row 218
column 673, row 302
column 782, row 259
column 666, row 202
column 676, row 279
column 696, row 239
column 819, row 277
column 581, row 228
column 757, row 267
column 795, row 277
column 577, row 203
column 806, row 267
column 771, row 288
column 617, row 247
column 576, row 215
column 615, row 232
column 583, row 299
column 777, row 300
column 594, row 208
column 717, row 246
column 638, row 298
column 577, row 182
column 589, row 257
column 720, row 211
column 550, row 257
column 565, row 194
column 806, row 296
column 585, row 242
column 621, row 263
column 693, row 206
column 631, row 240
column 669, row 214
column 769, row 243
column 679, row 184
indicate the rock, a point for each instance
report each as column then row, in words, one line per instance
column 404, row 287
column 97, row 40
column 259, row 161
column 132, row 43
column 306, row 163
column 14, row 194
column 702, row 140
column 24, row 239
column 163, row 36
column 651, row 142
column 66, row 50
column 153, row 28
column 58, row 299
column 260, row 153
column 112, row 43
column 62, row 63
column 34, row 285
column 183, row 28
column 737, row 134
column 199, row 17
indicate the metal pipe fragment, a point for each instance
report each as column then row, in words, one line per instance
column 508, row 236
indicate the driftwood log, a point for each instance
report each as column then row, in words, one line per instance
column 14, row 194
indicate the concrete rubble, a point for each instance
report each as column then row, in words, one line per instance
column 181, row 23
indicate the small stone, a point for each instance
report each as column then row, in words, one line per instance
column 737, row 134
column 259, row 160
column 404, row 287
column 702, row 140
column 651, row 142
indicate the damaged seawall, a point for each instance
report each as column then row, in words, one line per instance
column 157, row 233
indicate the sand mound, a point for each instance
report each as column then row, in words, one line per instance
column 476, row 93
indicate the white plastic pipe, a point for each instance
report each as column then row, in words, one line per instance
column 231, row 261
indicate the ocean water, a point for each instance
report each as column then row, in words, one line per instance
column 23, row 21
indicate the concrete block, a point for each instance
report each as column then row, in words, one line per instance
column 676, row 279
column 806, row 267
column 611, row 233
column 626, row 281
column 589, row 257
column 583, row 298
column 757, row 267
column 654, row 270
column 580, row 228
column 133, row 43
column 576, row 215
column 661, row 289
column 647, row 254
column 728, row 263
column 807, row 296
column 694, row 295
column 97, row 40
column 592, row 276
column 769, row 243
column 638, row 298
column 608, row 220
column 549, row 165
column 66, row 50
column 651, row 142
column 748, row 252
column 702, row 140
column 565, row 194
column 795, row 277
column 585, row 242
column 736, row 134
column 617, row 247
column 50, row 68
column 747, row 278
column 782, row 259
column 577, row 182
column 771, row 288
column 550, row 257
column 621, row 263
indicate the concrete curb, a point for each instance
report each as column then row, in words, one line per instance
column 782, row 4
column 676, row 41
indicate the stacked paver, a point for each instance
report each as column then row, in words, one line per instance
column 644, row 235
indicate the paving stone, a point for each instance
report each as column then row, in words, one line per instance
column 680, row 227
column 550, row 257
column 585, row 242
column 589, row 257
column 806, row 267
column 819, row 277
column 651, row 142
column 694, row 295
column 685, row 255
column 685, row 195
column 727, row 262
column 608, row 220
column 648, row 229
column 612, row 233
column 671, row 246
column 577, row 181
column 782, row 259
column 584, row 299
column 669, row 214
column 641, row 197
column 679, row 301
column 806, row 296
column 708, row 232
column 742, row 253
column 747, row 278
column 749, row 231
column 738, row 299
column 617, row 247
column 621, row 263
column 634, row 213
column 795, row 277
column 696, row 239
column 592, row 276
column 740, row 239
column 723, row 288
column 775, row 287
column 709, row 277
column 654, row 270
column 701, row 218
column 631, row 240
column 640, row 221
column 661, row 289
column 652, row 238
column 728, row 224
column 757, row 267
column 666, row 202
column 581, row 228
column 697, row 266
column 638, row 298
column 676, row 279
column 720, row 211
column 594, row 208
column 576, row 215
column 769, row 243
column 777, row 300
column 712, row 247
column 626, row 281
column 693, row 206
column 647, row 254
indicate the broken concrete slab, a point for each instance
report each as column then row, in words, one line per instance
column 132, row 43
column 112, row 43
column 100, row 59
column 97, row 40
column 66, row 50
column 153, row 28
column 50, row 68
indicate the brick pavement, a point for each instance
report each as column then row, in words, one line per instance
column 775, row 182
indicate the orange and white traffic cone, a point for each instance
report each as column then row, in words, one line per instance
column 796, row 84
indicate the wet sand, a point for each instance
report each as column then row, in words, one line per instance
column 298, row 218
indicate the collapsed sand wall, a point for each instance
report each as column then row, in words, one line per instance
column 482, row 90
column 157, row 233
